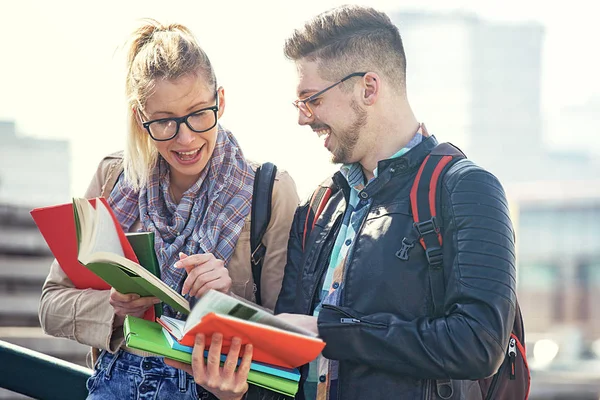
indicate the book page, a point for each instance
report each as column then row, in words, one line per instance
column 220, row 303
column 175, row 325
column 106, row 237
column 85, row 222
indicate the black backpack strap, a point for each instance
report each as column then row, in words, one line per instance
column 318, row 200
column 259, row 220
column 424, row 201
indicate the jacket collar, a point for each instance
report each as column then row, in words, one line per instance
column 391, row 167
column 412, row 159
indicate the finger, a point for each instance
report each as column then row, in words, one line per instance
column 198, row 277
column 198, row 281
column 179, row 365
column 232, row 358
column 143, row 302
column 117, row 296
column 190, row 262
column 244, row 367
column 198, row 368
column 183, row 256
column 136, row 312
column 213, row 361
column 222, row 284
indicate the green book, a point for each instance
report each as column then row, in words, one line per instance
column 143, row 246
column 148, row 336
column 103, row 248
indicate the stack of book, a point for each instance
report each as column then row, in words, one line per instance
column 153, row 338
column 279, row 348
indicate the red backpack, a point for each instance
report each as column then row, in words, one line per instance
column 512, row 380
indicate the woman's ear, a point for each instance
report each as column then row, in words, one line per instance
column 371, row 88
column 138, row 117
column 221, row 94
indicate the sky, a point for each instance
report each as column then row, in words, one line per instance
column 62, row 70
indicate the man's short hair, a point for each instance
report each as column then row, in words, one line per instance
column 351, row 39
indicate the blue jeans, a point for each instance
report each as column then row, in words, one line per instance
column 127, row 376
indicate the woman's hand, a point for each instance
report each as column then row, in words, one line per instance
column 204, row 272
column 129, row 304
column 224, row 382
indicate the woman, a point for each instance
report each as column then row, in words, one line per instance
column 186, row 179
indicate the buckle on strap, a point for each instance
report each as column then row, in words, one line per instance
column 435, row 257
column 427, row 227
column 258, row 254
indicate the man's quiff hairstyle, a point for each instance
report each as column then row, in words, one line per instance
column 351, row 39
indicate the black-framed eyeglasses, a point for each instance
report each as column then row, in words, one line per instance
column 199, row 121
column 302, row 104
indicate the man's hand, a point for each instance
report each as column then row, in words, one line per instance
column 204, row 272
column 307, row 322
column 224, row 382
column 129, row 304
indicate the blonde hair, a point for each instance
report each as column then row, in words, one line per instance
column 156, row 52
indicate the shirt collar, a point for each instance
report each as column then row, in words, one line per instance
column 354, row 174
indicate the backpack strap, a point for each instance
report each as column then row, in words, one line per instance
column 424, row 202
column 318, row 200
column 264, row 180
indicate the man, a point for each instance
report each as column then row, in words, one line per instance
column 372, row 307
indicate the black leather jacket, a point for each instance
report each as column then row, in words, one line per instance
column 394, row 349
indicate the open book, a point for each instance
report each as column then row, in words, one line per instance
column 275, row 341
column 101, row 250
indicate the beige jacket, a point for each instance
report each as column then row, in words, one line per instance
column 86, row 315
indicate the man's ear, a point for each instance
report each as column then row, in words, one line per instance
column 371, row 88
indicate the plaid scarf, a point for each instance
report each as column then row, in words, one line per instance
column 208, row 219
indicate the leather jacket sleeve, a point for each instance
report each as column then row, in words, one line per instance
column 469, row 341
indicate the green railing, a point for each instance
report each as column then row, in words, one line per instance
column 40, row 376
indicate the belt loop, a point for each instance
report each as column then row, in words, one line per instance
column 111, row 364
column 182, row 381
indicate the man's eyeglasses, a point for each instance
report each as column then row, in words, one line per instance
column 199, row 121
column 302, row 104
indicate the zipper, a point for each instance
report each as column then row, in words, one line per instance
column 512, row 355
column 351, row 253
column 352, row 319
column 428, row 387
column 315, row 288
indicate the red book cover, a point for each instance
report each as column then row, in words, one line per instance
column 270, row 345
column 57, row 226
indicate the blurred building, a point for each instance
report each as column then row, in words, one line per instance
column 477, row 83
column 558, row 239
column 33, row 172
column 558, row 262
